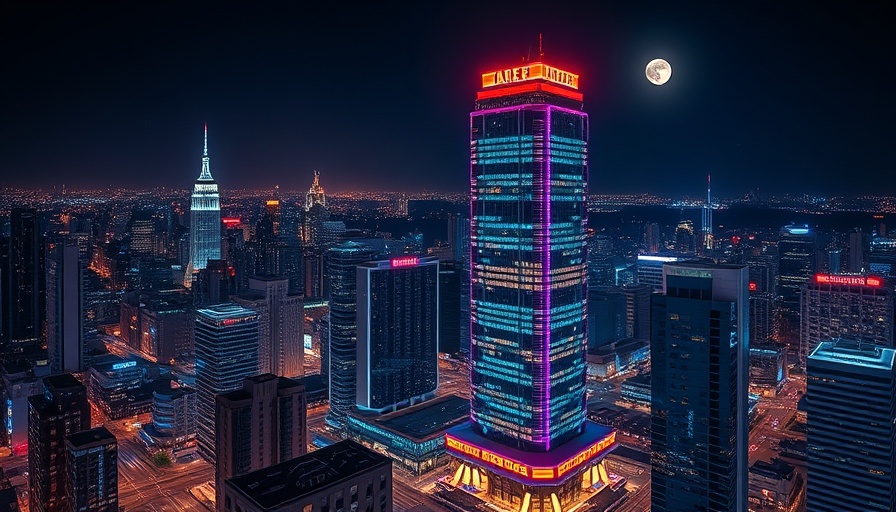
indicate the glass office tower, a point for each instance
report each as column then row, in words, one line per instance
column 528, row 444
column 205, row 217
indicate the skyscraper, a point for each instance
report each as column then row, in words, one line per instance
column 65, row 308
column 850, row 406
column 205, row 217
column 857, row 307
column 61, row 410
column 91, row 471
column 281, row 325
column 398, row 332
column 258, row 426
column 528, row 443
column 226, row 353
column 342, row 262
column 707, row 219
column 700, row 370
column 22, row 312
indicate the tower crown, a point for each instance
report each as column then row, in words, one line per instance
column 205, row 174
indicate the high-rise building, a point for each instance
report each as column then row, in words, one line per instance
column 342, row 476
column 226, row 353
column 281, row 323
column 449, row 307
column 882, row 256
column 173, row 426
column 91, row 470
column 707, row 218
column 342, row 262
column 652, row 238
column 205, row 217
column 65, row 309
column 398, row 332
column 260, row 425
column 528, row 443
column 607, row 316
column 850, row 406
column 61, row 410
column 796, row 262
column 650, row 270
column 21, row 299
column 859, row 245
column 637, row 310
column 700, row 370
column 858, row 307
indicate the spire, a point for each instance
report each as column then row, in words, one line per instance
column 205, row 174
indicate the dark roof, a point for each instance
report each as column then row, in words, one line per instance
column 294, row 479
column 62, row 381
column 640, row 379
column 95, row 436
column 431, row 417
column 775, row 469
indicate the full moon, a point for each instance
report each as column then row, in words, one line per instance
column 658, row 71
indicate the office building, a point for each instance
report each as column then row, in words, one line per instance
column 766, row 369
column 637, row 310
column 700, row 368
column 398, row 332
column 859, row 246
column 850, row 406
column 61, row 410
column 775, row 486
column 173, row 425
column 205, row 217
column 21, row 380
column 281, row 325
column 342, row 262
column 796, row 266
column 65, row 309
column 450, row 307
column 882, row 256
column 22, row 299
column 607, row 316
column 650, row 270
column 763, row 325
column 226, row 353
column 91, row 470
column 343, row 476
column 166, row 327
column 110, row 382
column 528, row 443
column 858, row 307
column 260, row 425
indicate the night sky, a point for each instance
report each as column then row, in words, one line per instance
column 787, row 98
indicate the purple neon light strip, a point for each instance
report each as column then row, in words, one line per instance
column 546, row 285
column 473, row 196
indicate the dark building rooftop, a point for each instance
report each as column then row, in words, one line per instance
column 425, row 420
column 62, row 381
column 775, row 469
column 642, row 379
column 315, row 387
column 294, row 479
column 94, row 436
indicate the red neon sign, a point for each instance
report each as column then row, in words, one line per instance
column 848, row 280
column 753, row 286
column 230, row 221
column 404, row 261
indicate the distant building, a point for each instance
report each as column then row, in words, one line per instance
column 699, row 388
column 21, row 298
column 796, row 265
column 414, row 437
column 636, row 389
column 65, row 308
column 110, row 381
column 850, row 403
column 258, row 426
column 449, row 307
column 607, row 316
column 61, row 410
column 205, row 216
column 281, row 325
column 343, row 476
column 398, row 332
column 882, row 256
column 775, row 486
column 637, row 305
column 766, row 369
column 226, row 353
column 20, row 381
column 650, row 270
column 91, row 469
column 166, row 328
column 858, row 307
column 173, row 426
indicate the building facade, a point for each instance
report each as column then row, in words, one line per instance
column 91, row 468
column 529, row 174
column 281, row 325
column 61, row 410
column 398, row 332
column 850, row 406
column 260, row 425
column 205, row 217
column 65, row 309
column 699, row 389
column 226, row 353
column 853, row 306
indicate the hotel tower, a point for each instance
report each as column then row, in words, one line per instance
column 528, row 446
column 205, row 218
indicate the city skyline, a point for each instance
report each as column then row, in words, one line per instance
column 289, row 92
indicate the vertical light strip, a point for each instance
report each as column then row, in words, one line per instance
column 473, row 197
column 546, row 281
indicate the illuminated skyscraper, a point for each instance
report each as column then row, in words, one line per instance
column 528, row 445
column 707, row 219
column 205, row 217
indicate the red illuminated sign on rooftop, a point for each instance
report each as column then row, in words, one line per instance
column 404, row 261
column 848, row 279
column 230, row 221
column 753, row 286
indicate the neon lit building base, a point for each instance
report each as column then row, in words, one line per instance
column 519, row 481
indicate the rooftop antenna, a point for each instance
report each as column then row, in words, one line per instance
column 540, row 52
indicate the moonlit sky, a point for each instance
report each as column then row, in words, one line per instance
column 789, row 99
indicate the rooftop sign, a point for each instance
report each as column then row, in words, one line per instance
column 404, row 261
column 534, row 71
column 847, row 279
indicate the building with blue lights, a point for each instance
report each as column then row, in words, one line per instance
column 699, row 395
column 91, row 469
column 528, row 445
column 398, row 332
column 226, row 353
column 850, row 406
column 205, row 218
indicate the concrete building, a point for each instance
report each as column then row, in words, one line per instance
column 91, row 470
